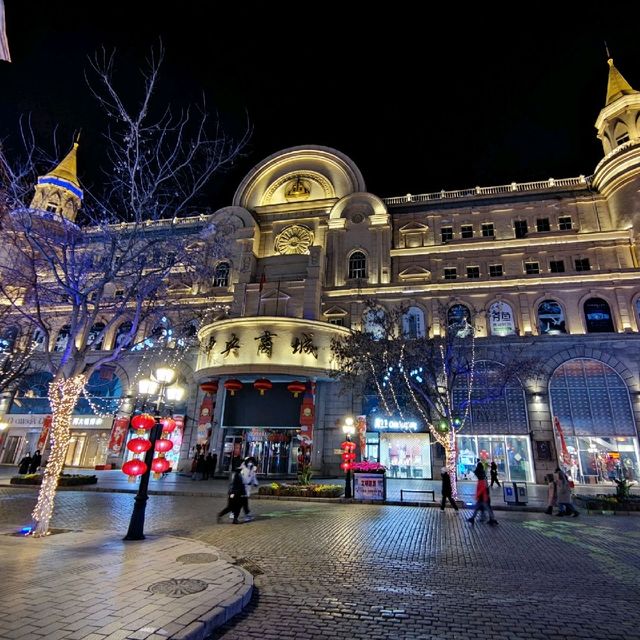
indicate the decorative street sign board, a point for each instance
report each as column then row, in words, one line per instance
column 369, row 486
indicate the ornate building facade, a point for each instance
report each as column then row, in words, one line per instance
column 551, row 266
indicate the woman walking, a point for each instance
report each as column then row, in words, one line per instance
column 483, row 499
column 446, row 490
column 236, row 497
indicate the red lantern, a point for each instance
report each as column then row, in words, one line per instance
column 160, row 465
column 139, row 445
column 143, row 421
column 134, row 468
column 168, row 425
column 232, row 386
column 262, row 385
column 210, row 387
column 345, row 466
column 163, row 445
column 296, row 388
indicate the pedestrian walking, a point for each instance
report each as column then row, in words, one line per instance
column 36, row 460
column 565, row 504
column 483, row 499
column 248, row 471
column 552, row 493
column 207, row 466
column 446, row 490
column 235, row 497
column 494, row 474
column 24, row 464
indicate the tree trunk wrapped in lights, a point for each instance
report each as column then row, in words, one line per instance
column 63, row 395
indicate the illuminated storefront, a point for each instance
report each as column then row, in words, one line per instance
column 591, row 403
column 512, row 455
column 402, row 446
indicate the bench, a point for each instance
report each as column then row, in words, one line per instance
column 403, row 491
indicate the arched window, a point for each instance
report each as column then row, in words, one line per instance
column 96, row 337
column 621, row 133
column 62, row 340
column 221, row 275
column 592, row 404
column 501, row 320
column 357, row 265
column 597, row 315
column 550, row 318
column 413, row 325
column 103, row 390
column 123, row 339
column 31, row 394
column 161, row 332
column 459, row 320
column 38, row 339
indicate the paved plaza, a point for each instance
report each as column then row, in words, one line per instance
column 364, row 571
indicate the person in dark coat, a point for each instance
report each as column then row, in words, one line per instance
column 25, row 463
column 207, row 467
column 446, row 490
column 236, row 497
column 214, row 464
column 36, row 461
column 201, row 467
column 494, row 474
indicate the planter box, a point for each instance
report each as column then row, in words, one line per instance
column 301, row 491
column 64, row 481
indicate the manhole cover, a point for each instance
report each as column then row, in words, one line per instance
column 197, row 558
column 250, row 566
column 178, row 587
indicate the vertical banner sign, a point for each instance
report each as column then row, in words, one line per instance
column 44, row 434
column 118, row 434
column 204, row 419
column 361, row 430
column 175, row 436
column 307, row 414
column 564, row 452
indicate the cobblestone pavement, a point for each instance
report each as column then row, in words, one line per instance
column 365, row 571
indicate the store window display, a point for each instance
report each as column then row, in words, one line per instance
column 406, row 455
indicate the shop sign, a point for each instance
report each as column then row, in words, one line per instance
column 389, row 424
column 26, row 421
column 369, row 486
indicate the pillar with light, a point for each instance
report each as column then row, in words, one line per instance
column 159, row 392
column 348, row 455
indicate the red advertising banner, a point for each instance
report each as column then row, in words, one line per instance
column 204, row 419
column 361, row 430
column 44, row 434
column 118, row 434
column 307, row 414
column 176, row 436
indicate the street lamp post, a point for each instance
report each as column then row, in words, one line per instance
column 348, row 429
column 157, row 386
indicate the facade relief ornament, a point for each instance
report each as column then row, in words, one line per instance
column 293, row 240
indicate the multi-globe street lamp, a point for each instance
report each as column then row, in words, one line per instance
column 158, row 392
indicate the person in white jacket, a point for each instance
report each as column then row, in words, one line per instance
column 248, row 471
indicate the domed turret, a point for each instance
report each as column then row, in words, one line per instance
column 59, row 190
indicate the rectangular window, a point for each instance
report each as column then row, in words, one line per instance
column 564, row 223
column 622, row 139
column 473, row 272
column 466, row 231
column 531, row 268
column 446, row 233
column 487, row 230
column 495, row 270
column 339, row 322
column 556, row 266
column 582, row 264
column 450, row 273
column 521, row 229
column 542, row 224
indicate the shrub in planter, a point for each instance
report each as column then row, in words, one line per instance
column 66, row 480
column 304, row 491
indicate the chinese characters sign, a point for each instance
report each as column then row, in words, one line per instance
column 369, row 486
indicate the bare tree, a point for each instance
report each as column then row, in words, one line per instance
column 428, row 378
column 74, row 274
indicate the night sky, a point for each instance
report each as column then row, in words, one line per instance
column 421, row 99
